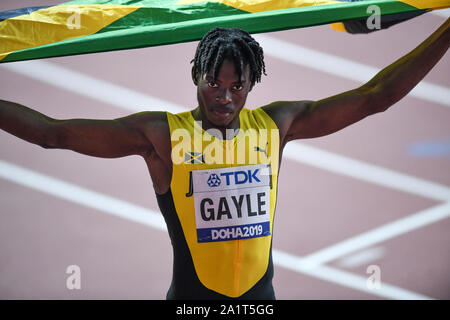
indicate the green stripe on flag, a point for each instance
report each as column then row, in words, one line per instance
column 175, row 24
column 148, row 17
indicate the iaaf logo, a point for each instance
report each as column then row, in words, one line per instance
column 240, row 177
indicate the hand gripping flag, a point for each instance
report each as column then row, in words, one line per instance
column 86, row 26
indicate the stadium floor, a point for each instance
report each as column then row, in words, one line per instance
column 374, row 194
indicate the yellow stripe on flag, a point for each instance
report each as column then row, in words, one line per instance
column 57, row 23
column 264, row 5
column 338, row 26
column 425, row 4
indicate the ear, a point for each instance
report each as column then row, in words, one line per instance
column 194, row 76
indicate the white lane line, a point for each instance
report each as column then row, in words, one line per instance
column 444, row 13
column 364, row 171
column 361, row 258
column 380, row 234
column 85, row 85
column 79, row 195
column 106, row 92
column 343, row 278
column 123, row 209
column 342, row 67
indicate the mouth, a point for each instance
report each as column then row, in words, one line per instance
column 221, row 113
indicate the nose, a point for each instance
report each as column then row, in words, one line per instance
column 224, row 96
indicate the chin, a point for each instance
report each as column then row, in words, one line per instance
column 221, row 121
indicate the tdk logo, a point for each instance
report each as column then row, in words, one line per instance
column 241, row 177
column 213, row 180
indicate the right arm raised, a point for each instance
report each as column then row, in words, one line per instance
column 99, row 138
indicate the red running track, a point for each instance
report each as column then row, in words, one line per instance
column 332, row 189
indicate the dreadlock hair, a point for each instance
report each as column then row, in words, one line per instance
column 228, row 43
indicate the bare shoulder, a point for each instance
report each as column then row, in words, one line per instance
column 155, row 127
column 146, row 117
column 283, row 113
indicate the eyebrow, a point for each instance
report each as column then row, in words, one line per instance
column 210, row 77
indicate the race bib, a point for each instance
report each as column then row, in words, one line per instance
column 232, row 203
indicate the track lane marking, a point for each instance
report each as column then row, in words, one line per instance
column 379, row 234
column 343, row 68
column 128, row 211
column 361, row 170
column 343, row 278
column 361, row 258
column 134, row 101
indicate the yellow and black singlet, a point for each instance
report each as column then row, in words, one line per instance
column 220, row 208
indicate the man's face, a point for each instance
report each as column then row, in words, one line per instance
column 222, row 100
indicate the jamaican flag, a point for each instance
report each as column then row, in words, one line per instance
column 85, row 26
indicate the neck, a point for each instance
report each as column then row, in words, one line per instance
column 228, row 132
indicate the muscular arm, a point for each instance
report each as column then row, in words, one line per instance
column 309, row 119
column 100, row 138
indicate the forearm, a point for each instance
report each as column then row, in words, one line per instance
column 25, row 123
column 395, row 81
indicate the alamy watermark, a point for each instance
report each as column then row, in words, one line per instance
column 74, row 20
column 373, row 282
column 73, row 281
column 373, row 22
column 212, row 147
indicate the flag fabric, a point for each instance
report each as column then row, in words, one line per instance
column 86, row 26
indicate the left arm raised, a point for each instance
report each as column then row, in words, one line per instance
column 309, row 119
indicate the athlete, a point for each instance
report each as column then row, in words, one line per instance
column 215, row 168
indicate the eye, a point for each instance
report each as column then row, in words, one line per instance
column 212, row 84
column 238, row 87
